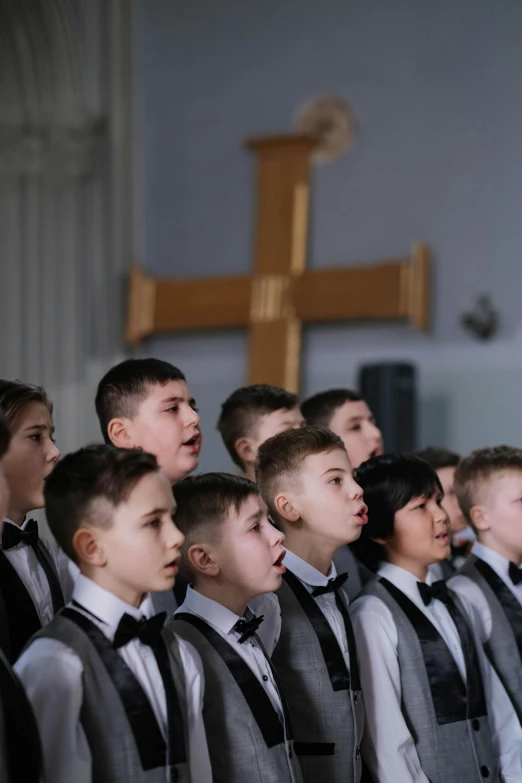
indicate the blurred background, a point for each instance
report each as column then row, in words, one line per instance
column 121, row 124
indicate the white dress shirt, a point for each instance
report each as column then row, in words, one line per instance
column 52, row 675
column 469, row 590
column 223, row 620
column 23, row 559
column 312, row 578
column 387, row 744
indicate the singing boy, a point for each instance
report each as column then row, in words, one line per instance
column 34, row 580
column 489, row 487
column 116, row 696
column 233, row 557
column 251, row 415
column 305, row 478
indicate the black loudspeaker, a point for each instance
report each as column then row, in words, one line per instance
column 391, row 393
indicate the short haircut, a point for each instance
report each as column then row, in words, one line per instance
column 480, row 467
column 389, row 482
column 439, row 458
column 15, row 395
column 320, row 408
column 280, row 459
column 125, row 386
column 241, row 412
column 83, row 478
column 5, row 435
column 202, row 505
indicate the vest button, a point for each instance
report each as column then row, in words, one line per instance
column 357, row 752
column 290, row 754
column 484, row 771
column 174, row 775
column 265, row 678
column 355, row 698
column 475, row 724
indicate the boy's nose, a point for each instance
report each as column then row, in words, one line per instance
column 175, row 538
column 53, row 453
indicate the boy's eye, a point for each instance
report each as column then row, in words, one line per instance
column 355, row 428
column 174, row 409
column 256, row 528
column 154, row 523
column 335, row 480
column 36, row 437
column 422, row 506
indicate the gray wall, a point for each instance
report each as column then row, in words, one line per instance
column 437, row 89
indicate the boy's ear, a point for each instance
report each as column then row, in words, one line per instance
column 202, row 561
column 479, row 517
column 120, row 433
column 284, row 505
column 245, row 449
column 87, row 547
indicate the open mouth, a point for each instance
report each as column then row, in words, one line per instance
column 378, row 450
column 444, row 537
column 362, row 514
column 193, row 444
column 278, row 565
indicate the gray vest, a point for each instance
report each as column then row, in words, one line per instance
column 504, row 646
column 358, row 575
column 449, row 749
column 244, row 747
column 327, row 715
column 117, row 757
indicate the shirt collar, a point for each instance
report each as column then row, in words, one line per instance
column 306, row 572
column 22, row 526
column 405, row 581
column 104, row 605
column 498, row 563
column 214, row 613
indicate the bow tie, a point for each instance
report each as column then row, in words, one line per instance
column 14, row 535
column 436, row 590
column 248, row 627
column 331, row 586
column 515, row 574
column 147, row 631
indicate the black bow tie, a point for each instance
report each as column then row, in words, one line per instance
column 515, row 574
column 332, row 586
column 14, row 535
column 436, row 590
column 147, row 631
column 248, row 627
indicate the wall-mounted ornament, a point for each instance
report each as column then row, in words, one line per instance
column 482, row 319
column 332, row 122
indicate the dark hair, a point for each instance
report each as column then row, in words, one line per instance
column 439, row 458
column 99, row 472
column 281, row 457
column 126, row 385
column 242, row 410
column 202, row 504
column 320, row 408
column 15, row 395
column 480, row 466
column 5, row 435
column 389, row 482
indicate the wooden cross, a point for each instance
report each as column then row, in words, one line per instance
column 282, row 294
